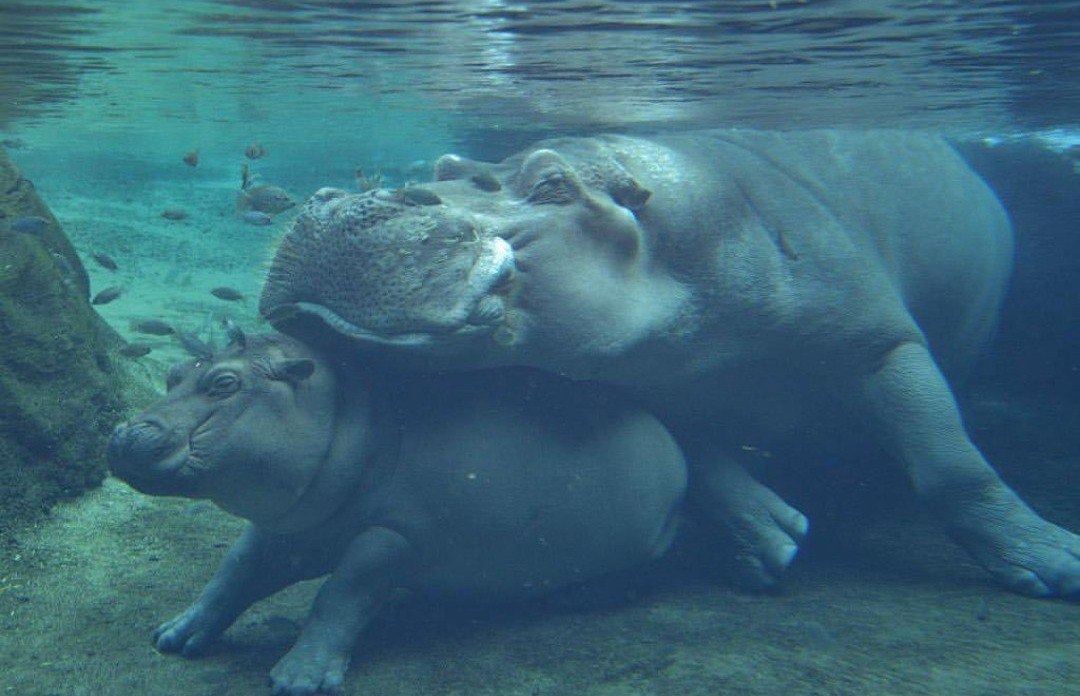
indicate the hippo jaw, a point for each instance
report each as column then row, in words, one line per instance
column 473, row 305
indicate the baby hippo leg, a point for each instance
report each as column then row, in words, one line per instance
column 256, row 566
column 764, row 530
column 374, row 562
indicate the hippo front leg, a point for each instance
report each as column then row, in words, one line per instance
column 913, row 407
column 256, row 567
column 373, row 564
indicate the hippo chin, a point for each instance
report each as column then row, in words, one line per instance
column 506, row 486
column 799, row 292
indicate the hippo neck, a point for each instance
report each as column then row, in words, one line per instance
column 351, row 460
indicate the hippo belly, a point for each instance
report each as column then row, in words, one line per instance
column 565, row 484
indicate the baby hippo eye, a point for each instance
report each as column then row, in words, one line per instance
column 224, row 384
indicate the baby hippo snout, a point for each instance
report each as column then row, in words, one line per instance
column 139, row 452
column 141, row 441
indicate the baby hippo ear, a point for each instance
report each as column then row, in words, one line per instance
column 294, row 370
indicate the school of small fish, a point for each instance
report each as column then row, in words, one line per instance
column 256, row 205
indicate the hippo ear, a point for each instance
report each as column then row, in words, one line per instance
column 293, row 370
column 629, row 194
column 236, row 335
column 450, row 167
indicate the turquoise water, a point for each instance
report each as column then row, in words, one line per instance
column 100, row 102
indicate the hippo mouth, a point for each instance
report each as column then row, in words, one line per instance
column 141, row 455
column 480, row 309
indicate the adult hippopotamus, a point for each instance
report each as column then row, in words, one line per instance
column 803, row 294
column 503, row 486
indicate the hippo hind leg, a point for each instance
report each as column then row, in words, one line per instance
column 914, row 411
column 763, row 530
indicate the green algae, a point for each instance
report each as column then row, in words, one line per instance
column 59, row 393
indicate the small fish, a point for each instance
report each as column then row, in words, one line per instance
column 174, row 214
column 486, row 182
column 191, row 159
column 154, row 327
column 365, row 183
column 419, row 196
column 134, row 350
column 107, row 295
column 255, row 217
column 193, row 345
column 264, row 198
column 12, row 143
column 227, row 294
column 30, row 224
column 104, row 260
column 282, row 313
column 255, row 151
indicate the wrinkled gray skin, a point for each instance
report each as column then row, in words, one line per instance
column 800, row 294
column 503, row 486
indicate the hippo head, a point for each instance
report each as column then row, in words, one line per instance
column 247, row 427
column 541, row 252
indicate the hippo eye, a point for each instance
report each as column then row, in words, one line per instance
column 555, row 187
column 224, row 384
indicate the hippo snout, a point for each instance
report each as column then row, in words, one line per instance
column 140, row 449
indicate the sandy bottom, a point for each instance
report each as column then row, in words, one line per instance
column 897, row 611
column 888, row 607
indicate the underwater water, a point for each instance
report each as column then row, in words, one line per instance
column 147, row 129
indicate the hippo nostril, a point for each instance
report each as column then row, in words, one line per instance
column 488, row 311
column 114, row 450
column 140, row 441
column 504, row 280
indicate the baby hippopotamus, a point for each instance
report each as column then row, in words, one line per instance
column 497, row 485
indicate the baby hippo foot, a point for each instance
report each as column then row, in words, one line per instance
column 1022, row 550
column 766, row 533
column 190, row 632
column 309, row 669
column 763, row 530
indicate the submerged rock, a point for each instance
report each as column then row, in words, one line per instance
column 58, row 392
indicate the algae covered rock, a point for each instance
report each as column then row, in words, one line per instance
column 59, row 395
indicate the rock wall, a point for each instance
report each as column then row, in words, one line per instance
column 59, row 392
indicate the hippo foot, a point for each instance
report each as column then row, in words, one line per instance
column 766, row 533
column 190, row 632
column 309, row 669
column 1022, row 550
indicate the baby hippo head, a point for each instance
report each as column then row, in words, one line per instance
column 247, row 427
